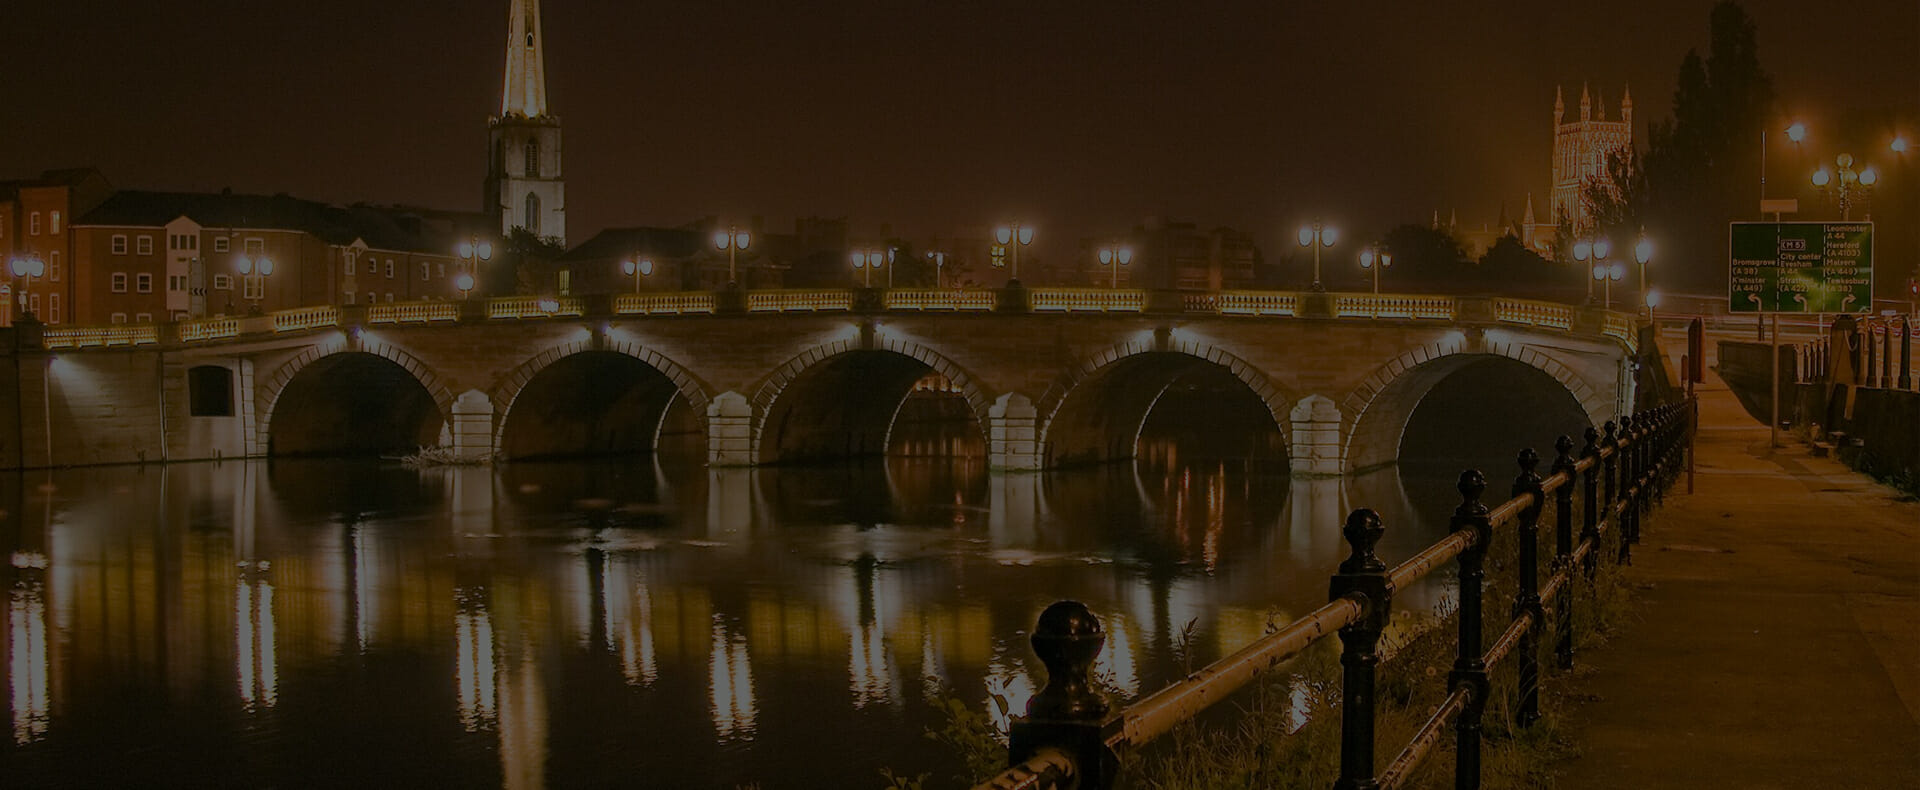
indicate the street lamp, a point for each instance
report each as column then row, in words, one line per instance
column 637, row 267
column 1597, row 250
column 472, row 252
column 1608, row 275
column 27, row 268
column 1642, row 253
column 1007, row 235
column 939, row 264
column 1375, row 259
column 254, row 276
column 1114, row 258
column 1899, row 145
column 1318, row 235
column 1847, row 184
column 732, row 240
column 865, row 261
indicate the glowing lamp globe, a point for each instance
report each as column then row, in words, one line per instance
column 1306, row 236
column 1869, row 177
column 1582, row 250
column 1643, row 251
column 1601, row 248
column 1125, row 255
column 1003, row 234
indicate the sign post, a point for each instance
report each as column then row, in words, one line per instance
column 1798, row 267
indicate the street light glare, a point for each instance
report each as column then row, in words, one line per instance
column 1003, row 234
column 1329, row 236
column 464, row 282
column 1026, row 235
column 743, row 239
column 1797, row 132
column 466, row 249
column 1643, row 251
column 244, row 264
column 1366, row 258
column 1582, row 250
column 1653, row 298
column 486, row 251
column 858, row 260
column 1899, row 145
column 266, row 266
column 627, row 267
column 1821, row 177
column 1601, row 248
column 1306, row 236
column 1106, row 257
column 1126, row 255
column 1869, row 176
column 646, row 267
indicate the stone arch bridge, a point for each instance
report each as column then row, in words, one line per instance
column 1050, row 376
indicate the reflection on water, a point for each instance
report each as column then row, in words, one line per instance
column 566, row 624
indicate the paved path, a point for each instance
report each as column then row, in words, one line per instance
column 1778, row 640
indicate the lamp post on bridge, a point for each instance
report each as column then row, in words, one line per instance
column 1374, row 258
column 473, row 252
column 1318, row 235
column 1608, row 275
column 1596, row 250
column 1642, row 254
column 1114, row 257
column 637, row 267
column 939, row 259
column 253, row 274
column 1015, row 236
column 1846, row 184
column 26, row 268
column 866, row 260
column 732, row 240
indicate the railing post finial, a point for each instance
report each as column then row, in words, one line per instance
column 1363, row 531
column 1362, row 577
column 1068, row 714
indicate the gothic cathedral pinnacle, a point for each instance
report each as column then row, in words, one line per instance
column 525, row 87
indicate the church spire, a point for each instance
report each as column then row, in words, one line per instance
column 524, row 92
column 1559, row 108
column 1586, row 104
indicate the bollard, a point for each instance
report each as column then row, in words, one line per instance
column 1563, row 463
column 1363, row 576
column 1590, row 491
column 1527, row 599
column 1470, row 666
column 1068, row 713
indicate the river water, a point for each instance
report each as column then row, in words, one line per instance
column 639, row 622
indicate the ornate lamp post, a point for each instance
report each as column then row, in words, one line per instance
column 1608, row 275
column 26, row 268
column 1846, row 184
column 472, row 252
column 865, row 261
column 1373, row 258
column 1114, row 258
column 1642, row 254
column 939, row 265
column 637, row 267
column 1318, row 235
column 732, row 240
column 254, row 275
column 1015, row 236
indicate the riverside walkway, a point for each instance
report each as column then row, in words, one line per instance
column 1776, row 643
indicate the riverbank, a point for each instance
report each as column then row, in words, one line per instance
column 1776, row 645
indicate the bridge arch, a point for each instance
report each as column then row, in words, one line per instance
column 320, row 402
column 1096, row 411
column 1381, row 408
column 580, row 383
column 842, row 399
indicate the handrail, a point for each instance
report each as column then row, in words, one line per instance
column 1618, row 474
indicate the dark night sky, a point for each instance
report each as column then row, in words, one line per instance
column 932, row 116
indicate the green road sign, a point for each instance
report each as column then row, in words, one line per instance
column 1801, row 267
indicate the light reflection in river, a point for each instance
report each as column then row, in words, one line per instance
column 704, row 628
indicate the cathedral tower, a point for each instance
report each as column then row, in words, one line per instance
column 524, row 185
column 1580, row 152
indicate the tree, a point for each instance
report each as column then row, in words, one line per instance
column 1427, row 257
column 527, row 257
column 1699, row 169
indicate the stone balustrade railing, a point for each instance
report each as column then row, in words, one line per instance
column 1280, row 304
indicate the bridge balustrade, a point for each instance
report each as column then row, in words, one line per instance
column 957, row 299
column 1393, row 306
column 405, row 313
column 101, row 336
column 535, row 307
column 1532, row 313
column 800, row 301
column 1070, row 739
column 209, row 329
column 1098, row 300
column 1258, row 303
column 304, row 318
column 664, row 304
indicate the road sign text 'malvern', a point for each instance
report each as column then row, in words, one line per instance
column 1801, row 267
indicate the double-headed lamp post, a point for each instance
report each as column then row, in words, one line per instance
column 865, row 261
column 637, row 267
column 472, row 252
column 1596, row 250
column 26, row 268
column 1642, row 254
column 1015, row 236
column 1374, row 258
column 1318, row 235
column 1113, row 258
column 1608, row 274
column 254, row 272
column 732, row 240
column 939, row 265
column 1846, row 183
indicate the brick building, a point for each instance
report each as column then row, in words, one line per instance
column 157, row 256
column 36, row 222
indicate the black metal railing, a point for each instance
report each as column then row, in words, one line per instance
column 1070, row 739
column 1878, row 354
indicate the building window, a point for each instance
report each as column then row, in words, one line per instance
column 143, row 283
column 219, row 244
column 54, row 225
column 33, row 224
column 53, row 267
column 143, row 318
column 373, row 265
column 209, row 391
column 533, row 214
column 348, row 258
column 223, row 282
column 119, row 243
column 117, row 318
column 143, row 245
column 176, row 283
column 180, row 241
column 566, row 281
column 389, row 268
column 533, row 159
column 251, row 287
column 350, row 296
column 441, row 267
column 53, row 308
column 426, row 271
column 389, row 297
column 33, row 303
column 256, row 246
column 373, row 298
column 119, row 282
